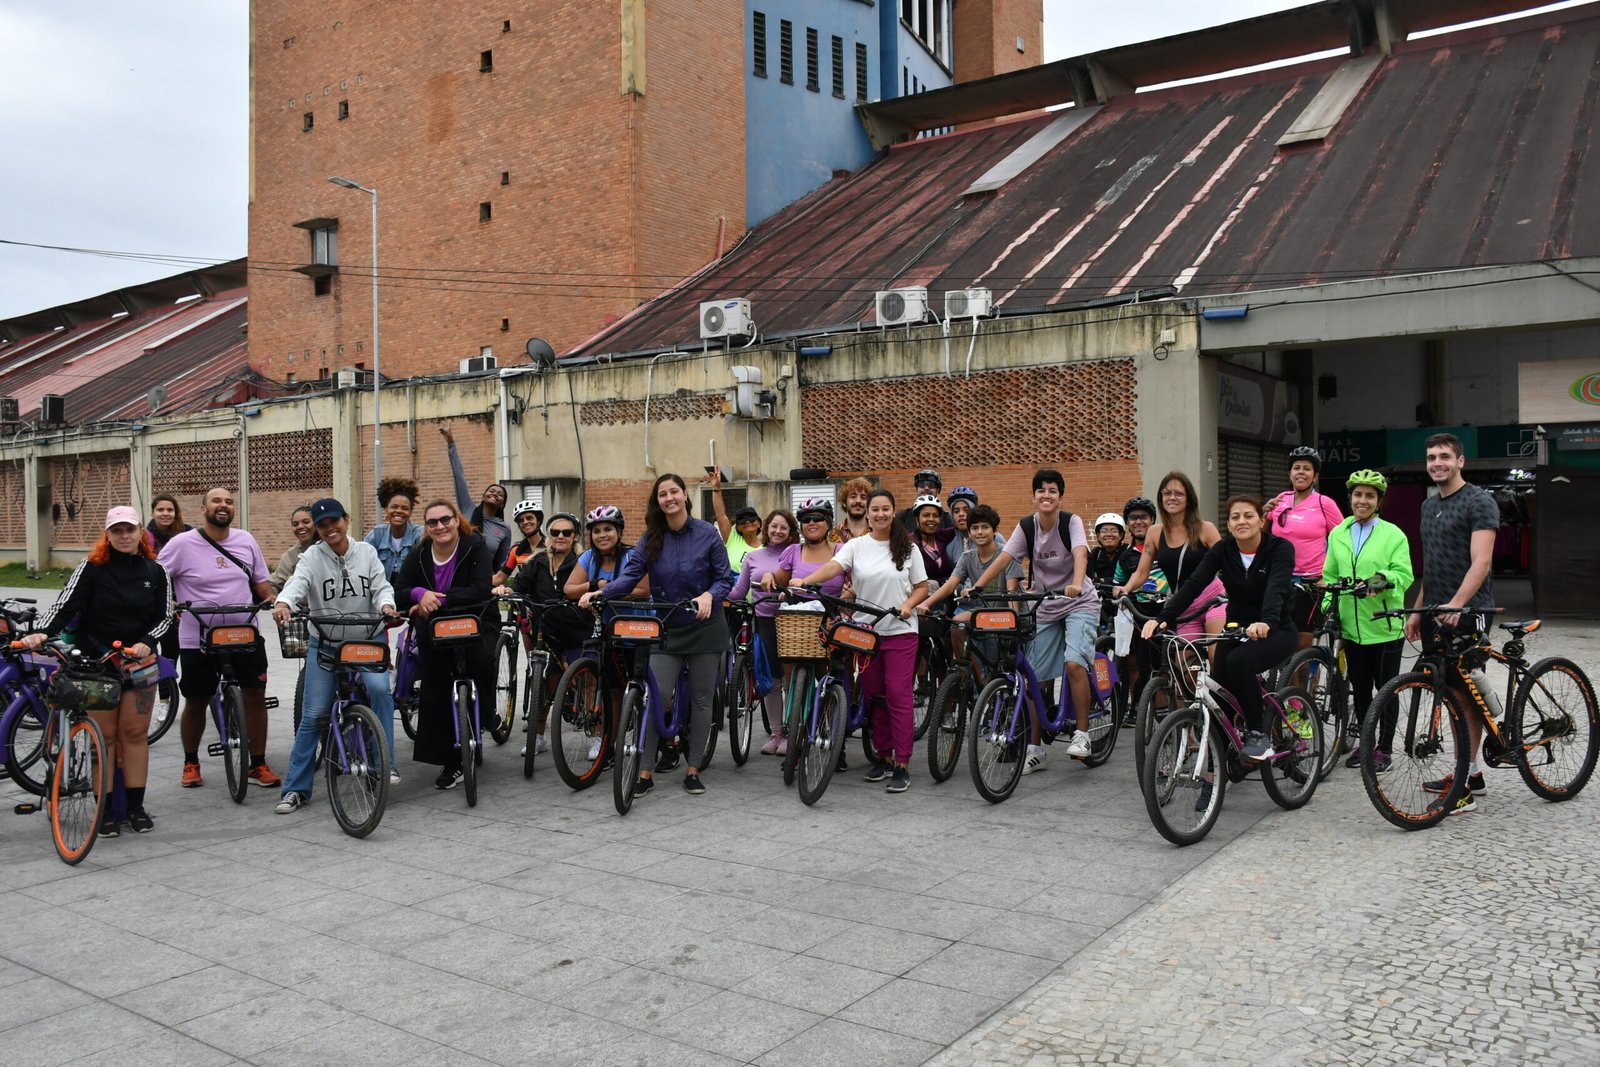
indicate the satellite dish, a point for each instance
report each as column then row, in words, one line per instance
column 540, row 353
column 157, row 396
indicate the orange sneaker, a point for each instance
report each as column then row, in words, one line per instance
column 261, row 774
column 191, row 776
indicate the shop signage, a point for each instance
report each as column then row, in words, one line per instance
column 1562, row 390
column 1257, row 406
column 1579, row 438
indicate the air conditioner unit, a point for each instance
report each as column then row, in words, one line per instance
column 346, row 378
column 968, row 304
column 899, row 306
column 53, row 410
column 726, row 318
column 478, row 364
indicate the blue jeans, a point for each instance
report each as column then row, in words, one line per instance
column 317, row 702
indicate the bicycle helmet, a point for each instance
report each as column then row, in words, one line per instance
column 1370, row 478
column 576, row 525
column 523, row 507
column 1113, row 518
column 816, row 506
column 1311, row 455
column 926, row 500
column 1139, row 503
column 962, row 492
column 928, row 477
column 604, row 513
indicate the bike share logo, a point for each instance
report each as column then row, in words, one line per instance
column 1586, row 390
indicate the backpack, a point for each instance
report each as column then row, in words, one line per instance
column 1030, row 530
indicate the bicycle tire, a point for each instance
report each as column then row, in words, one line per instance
column 1156, row 702
column 506, row 648
column 1105, row 723
column 1427, row 746
column 358, row 791
column 1291, row 780
column 405, row 686
column 299, row 695
column 994, row 755
column 924, row 685
column 1564, row 722
column 947, row 723
column 1316, row 670
column 236, row 743
column 630, row 741
column 165, row 710
column 577, row 718
column 467, row 740
column 1176, row 772
column 796, row 714
column 27, row 738
column 740, row 709
column 819, row 756
column 76, row 800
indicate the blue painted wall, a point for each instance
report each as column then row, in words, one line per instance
column 796, row 138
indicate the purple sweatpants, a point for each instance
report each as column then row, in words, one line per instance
column 887, row 682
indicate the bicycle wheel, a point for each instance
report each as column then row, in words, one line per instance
column 740, row 710
column 1105, row 723
column 994, row 751
column 358, row 784
column 630, row 740
column 533, row 705
column 820, row 754
column 796, row 713
column 299, row 695
column 1291, row 779
column 405, row 684
column 578, row 735
column 77, row 791
column 1316, row 671
column 1155, row 702
column 235, row 742
column 26, row 737
column 923, row 688
column 165, row 711
column 1184, row 780
column 947, row 723
column 1556, row 728
column 1429, row 745
column 468, row 741
column 505, row 685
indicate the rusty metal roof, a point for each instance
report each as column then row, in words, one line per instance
column 1468, row 149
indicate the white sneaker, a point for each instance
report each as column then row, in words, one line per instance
column 594, row 749
column 541, row 745
column 394, row 777
column 1035, row 760
column 1079, row 746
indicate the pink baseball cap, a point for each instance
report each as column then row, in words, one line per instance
column 122, row 514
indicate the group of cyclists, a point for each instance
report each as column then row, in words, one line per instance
column 444, row 556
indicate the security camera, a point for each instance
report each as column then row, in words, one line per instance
column 1539, row 430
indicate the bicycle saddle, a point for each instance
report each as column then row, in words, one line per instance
column 1521, row 629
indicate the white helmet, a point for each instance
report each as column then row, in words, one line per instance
column 522, row 507
column 1113, row 518
column 926, row 500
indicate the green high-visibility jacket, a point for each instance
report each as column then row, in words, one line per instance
column 1385, row 551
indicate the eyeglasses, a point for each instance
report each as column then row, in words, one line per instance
column 445, row 521
column 1173, row 492
column 563, row 533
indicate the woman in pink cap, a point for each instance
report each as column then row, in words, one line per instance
column 118, row 593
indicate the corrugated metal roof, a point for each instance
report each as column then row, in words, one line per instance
column 1463, row 150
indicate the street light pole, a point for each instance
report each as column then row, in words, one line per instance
column 377, row 378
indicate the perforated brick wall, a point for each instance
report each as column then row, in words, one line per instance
column 13, row 506
column 662, row 409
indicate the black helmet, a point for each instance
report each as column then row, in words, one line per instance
column 1311, row 455
column 1139, row 503
column 928, row 476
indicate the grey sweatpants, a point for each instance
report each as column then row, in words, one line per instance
column 703, row 668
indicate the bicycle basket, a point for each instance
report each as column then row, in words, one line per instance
column 78, row 689
column 1184, row 663
column 241, row 638
column 294, row 637
column 369, row 656
column 635, row 628
column 800, row 634
column 852, row 638
column 456, row 630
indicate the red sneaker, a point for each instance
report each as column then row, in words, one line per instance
column 191, row 776
column 261, row 774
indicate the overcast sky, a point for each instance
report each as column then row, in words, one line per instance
column 124, row 126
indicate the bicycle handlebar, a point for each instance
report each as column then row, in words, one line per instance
column 224, row 609
column 842, row 604
column 1395, row 613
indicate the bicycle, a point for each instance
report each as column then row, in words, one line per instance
column 1013, row 700
column 641, row 696
column 1320, row 669
column 455, row 633
column 800, row 689
column 221, row 643
column 507, row 645
column 23, row 677
column 354, row 751
column 541, row 661
column 933, row 664
column 953, row 701
column 405, row 680
column 1198, row 749
column 735, row 699
column 1550, row 735
column 1172, row 676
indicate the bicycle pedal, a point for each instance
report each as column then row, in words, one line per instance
column 26, row 809
column 272, row 702
column 216, row 748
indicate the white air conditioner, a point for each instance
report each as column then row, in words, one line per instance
column 346, row 378
column 726, row 318
column 968, row 304
column 899, row 306
column 478, row 364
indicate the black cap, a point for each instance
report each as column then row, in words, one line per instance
column 326, row 508
column 746, row 514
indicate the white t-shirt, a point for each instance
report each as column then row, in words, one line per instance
column 875, row 580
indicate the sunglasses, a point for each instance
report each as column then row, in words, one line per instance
column 563, row 533
column 446, row 521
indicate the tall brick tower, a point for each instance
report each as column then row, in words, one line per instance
column 997, row 36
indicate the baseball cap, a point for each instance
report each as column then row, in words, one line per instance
column 326, row 508
column 746, row 514
column 121, row 514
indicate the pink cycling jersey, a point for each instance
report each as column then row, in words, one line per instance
column 1306, row 525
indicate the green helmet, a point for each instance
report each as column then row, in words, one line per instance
column 1370, row 478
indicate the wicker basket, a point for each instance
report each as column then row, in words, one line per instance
column 800, row 634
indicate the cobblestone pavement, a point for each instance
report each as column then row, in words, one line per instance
column 742, row 927
column 1326, row 936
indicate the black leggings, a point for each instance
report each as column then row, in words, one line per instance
column 1369, row 668
column 1238, row 665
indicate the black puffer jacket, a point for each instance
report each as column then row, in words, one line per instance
column 127, row 598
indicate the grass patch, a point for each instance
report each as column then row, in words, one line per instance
column 16, row 576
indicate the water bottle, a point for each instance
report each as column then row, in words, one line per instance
column 1486, row 691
